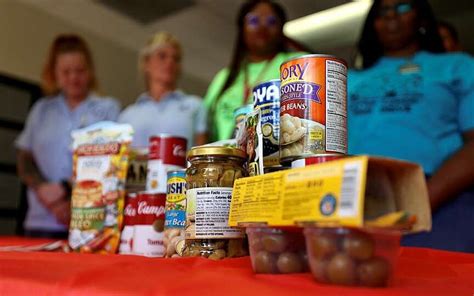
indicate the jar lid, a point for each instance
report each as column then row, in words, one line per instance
column 216, row 150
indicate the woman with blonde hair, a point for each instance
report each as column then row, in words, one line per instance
column 162, row 108
column 44, row 155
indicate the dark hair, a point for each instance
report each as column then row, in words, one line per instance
column 65, row 43
column 370, row 47
column 451, row 29
column 240, row 49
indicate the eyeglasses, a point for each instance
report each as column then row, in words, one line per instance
column 254, row 21
column 399, row 9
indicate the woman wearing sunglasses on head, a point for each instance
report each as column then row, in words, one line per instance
column 259, row 50
column 412, row 101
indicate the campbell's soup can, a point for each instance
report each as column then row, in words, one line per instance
column 313, row 113
column 149, row 225
column 266, row 98
column 129, row 220
column 137, row 170
column 303, row 162
column 166, row 153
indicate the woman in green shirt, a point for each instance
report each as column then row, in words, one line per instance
column 260, row 49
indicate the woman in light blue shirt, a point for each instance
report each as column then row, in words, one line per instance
column 163, row 109
column 44, row 154
column 413, row 101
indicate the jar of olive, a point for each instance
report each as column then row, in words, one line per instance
column 209, row 180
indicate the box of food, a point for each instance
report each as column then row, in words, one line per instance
column 353, row 192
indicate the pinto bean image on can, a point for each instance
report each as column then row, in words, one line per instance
column 266, row 98
column 313, row 107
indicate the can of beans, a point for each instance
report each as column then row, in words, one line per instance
column 266, row 98
column 166, row 153
column 149, row 225
column 175, row 218
column 303, row 162
column 129, row 220
column 313, row 114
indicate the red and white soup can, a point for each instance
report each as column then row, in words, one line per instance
column 129, row 220
column 166, row 153
column 149, row 225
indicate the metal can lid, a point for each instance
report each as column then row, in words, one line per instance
column 176, row 172
column 216, row 150
column 165, row 136
column 314, row 56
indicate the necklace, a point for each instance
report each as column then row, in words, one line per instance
column 409, row 67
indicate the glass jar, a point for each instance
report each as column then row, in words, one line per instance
column 210, row 180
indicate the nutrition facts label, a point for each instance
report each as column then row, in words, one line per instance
column 336, row 108
column 212, row 213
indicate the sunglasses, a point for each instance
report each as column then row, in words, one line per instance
column 254, row 21
column 398, row 9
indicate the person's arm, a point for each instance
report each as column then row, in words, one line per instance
column 455, row 175
column 28, row 170
column 50, row 194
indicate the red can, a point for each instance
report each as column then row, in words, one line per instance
column 149, row 225
column 299, row 163
column 166, row 153
column 129, row 220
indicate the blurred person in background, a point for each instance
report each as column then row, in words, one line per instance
column 44, row 146
column 259, row 50
column 412, row 101
column 450, row 36
column 162, row 108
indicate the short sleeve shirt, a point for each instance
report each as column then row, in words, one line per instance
column 419, row 115
column 47, row 135
column 176, row 114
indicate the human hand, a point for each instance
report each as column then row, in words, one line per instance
column 50, row 194
column 62, row 211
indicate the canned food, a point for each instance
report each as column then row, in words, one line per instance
column 313, row 115
column 166, row 153
column 239, row 117
column 299, row 163
column 175, row 217
column 267, row 99
column 210, row 180
column 149, row 225
column 129, row 220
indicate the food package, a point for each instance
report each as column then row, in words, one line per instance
column 100, row 161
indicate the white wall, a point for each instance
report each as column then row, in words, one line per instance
column 25, row 36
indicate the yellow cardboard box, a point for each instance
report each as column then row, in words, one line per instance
column 344, row 192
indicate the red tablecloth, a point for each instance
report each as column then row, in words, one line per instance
column 419, row 272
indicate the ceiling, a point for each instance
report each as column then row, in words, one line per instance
column 206, row 27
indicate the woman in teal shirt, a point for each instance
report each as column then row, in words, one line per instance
column 260, row 49
column 413, row 101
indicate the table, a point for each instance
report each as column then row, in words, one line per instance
column 420, row 272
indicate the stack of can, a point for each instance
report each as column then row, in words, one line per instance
column 144, row 214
